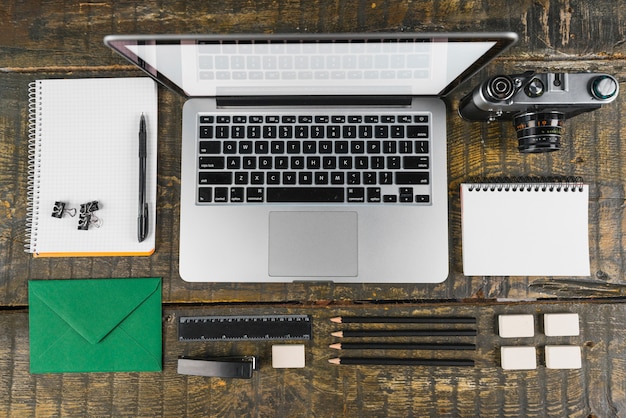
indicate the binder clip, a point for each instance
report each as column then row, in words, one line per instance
column 89, row 207
column 83, row 221
column 238, row 367
column 59, row 210
column 87, row 217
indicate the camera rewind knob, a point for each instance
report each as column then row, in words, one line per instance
column 604, row 87
column 499, row 88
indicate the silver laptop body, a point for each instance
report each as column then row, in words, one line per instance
column 313, row 157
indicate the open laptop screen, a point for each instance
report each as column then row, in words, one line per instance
column 340, row 64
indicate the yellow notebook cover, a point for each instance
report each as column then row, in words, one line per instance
column 84, row 147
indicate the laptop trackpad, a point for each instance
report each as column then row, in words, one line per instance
column 317, row 244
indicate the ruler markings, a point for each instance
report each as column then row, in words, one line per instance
column 244, row 327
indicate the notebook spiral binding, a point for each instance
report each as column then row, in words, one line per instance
column 528, row 184
column 34, row 164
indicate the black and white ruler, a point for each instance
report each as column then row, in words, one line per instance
column 244, row 328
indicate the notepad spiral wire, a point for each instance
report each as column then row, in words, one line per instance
column 527, row 184
column 34, row 165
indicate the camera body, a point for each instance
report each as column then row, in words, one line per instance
column 538, row 103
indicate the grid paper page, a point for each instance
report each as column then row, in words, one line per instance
column 88, row 136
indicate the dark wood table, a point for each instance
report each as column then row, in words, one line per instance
column 54, row 39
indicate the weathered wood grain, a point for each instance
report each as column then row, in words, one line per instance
column 50, row 38
column 322, row 389
column 53, row 40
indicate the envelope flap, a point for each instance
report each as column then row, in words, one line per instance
column 93, row 308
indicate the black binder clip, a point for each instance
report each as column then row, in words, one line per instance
column 86, row 217
column 83, row 221
column 89, row 207
column 239, row 367
column 59, row 210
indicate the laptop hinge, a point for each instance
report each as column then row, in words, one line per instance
column 224, row 101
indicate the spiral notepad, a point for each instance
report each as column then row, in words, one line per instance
column 525, row 227
column 83, row 147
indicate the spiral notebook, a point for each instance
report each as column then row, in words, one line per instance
column 527, row 227
column 84, row 148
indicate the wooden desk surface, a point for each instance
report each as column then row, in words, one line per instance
column 55, row 39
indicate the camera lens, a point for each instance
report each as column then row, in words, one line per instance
column 499, row 88
column 539, row 131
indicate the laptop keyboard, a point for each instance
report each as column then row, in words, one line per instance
column 360, row 158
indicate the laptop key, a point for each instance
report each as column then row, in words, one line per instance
column 233, row 163
column 356, row 194
column 293, row 147
column 317, row 131
column 254, row 194
column 406, row 194
column 221, row 194
column 305, row 194
column 206, row 132
column 205, row 194
column 241, row 177
column 221, row 131
column 373, row 194
column 273, row 177
column 269, row 131
column 410, row 162
column 417, row 131
column 210, row 147
column 222, row 177
column 412, row 177
column 236, row 194
column 211, row 163
column 421, row 147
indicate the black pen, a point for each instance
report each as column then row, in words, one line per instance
column 142, row 217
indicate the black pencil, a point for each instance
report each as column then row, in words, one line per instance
column 404, row 320
column 406, row 333
column 402, row 346
column 402, row 361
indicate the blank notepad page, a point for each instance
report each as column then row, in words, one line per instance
column 514, row 230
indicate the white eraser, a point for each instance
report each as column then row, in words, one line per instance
column 561, row 324
column 288, row 356
column 515, row 326
column 563, row 357
column 518, row 358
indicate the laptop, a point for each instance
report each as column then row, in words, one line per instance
column 313, row 157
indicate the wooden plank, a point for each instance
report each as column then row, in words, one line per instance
column 72, row 31
column 322, row 389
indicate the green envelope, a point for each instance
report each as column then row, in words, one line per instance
column 95, row 325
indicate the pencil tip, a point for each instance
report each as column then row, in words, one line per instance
column 334, row 361
column 337, row 320
column 337, row 334
column 336, row 346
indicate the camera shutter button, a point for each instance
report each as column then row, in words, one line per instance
column 603, row 87
column 534, row 88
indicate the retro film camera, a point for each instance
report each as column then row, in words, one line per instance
column 538, row 103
